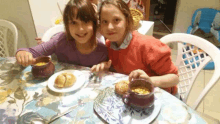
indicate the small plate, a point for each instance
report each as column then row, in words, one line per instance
column 80, row 80
column 109, row 106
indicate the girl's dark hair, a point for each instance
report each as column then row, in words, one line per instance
column 123, row 7
column 85, row 12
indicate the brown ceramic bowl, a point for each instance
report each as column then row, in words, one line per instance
column 139, row 100
column 45, row 70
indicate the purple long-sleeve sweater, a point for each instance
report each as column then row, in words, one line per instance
column 67, row 52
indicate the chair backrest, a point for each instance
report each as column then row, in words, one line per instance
column 192, row 55
column 206, row 14
column 52, row 31
column 8, row 38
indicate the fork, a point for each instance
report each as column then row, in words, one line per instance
column 95, row 76
column 97, row 79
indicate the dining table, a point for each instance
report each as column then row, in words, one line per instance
column 24, row 98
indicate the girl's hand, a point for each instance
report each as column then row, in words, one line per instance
column 139, row 74
column 25, row 58
column 103, row 66
column 39, row 40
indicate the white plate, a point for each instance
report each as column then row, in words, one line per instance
column 111, row 108
column 80, row 80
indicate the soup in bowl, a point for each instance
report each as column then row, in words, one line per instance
column 43, row 67
column 140, row 94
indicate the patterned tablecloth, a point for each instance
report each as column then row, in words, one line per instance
column 23, row 98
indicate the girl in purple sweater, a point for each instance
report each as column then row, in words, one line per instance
column 77, row 45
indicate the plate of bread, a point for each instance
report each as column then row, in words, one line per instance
column 66, row 81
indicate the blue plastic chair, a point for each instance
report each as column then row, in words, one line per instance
column 202, row 18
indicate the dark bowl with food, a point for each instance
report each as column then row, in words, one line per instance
column 140, row 94
column 43, row 67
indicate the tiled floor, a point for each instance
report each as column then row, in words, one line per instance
column 211, row 103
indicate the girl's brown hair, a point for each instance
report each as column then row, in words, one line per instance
column 85, row 12
column 123, row 7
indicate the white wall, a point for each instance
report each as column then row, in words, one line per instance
column 18, row 12
column 32, row 17
column 185, row 10
column 44, row 13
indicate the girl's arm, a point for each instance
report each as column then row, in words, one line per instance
column 158, row 57
column 165, row 81
column 44, row 49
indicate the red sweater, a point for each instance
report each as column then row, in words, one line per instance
column 145, row 53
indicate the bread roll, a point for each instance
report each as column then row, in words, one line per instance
column 121, row 87
column 70, row 79
column 60, row 81
column 65, row 80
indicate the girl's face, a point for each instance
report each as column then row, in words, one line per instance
column 113, row 23
column 81, row 31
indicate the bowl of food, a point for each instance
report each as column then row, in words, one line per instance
column 43, row 67
column 140, row 94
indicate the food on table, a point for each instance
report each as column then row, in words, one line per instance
column 60, row 81
column 65, row 80
column 121, row 87
column 140, row 90
column 41, row 63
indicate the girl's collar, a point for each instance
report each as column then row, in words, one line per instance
column 124, row 44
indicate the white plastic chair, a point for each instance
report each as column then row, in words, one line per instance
column 188, row 73
column 52, row 31
column 8, row 38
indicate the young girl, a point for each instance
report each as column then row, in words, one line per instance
column 132, row 53
column 78, row 45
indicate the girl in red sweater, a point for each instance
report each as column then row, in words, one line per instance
column 134, row 54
